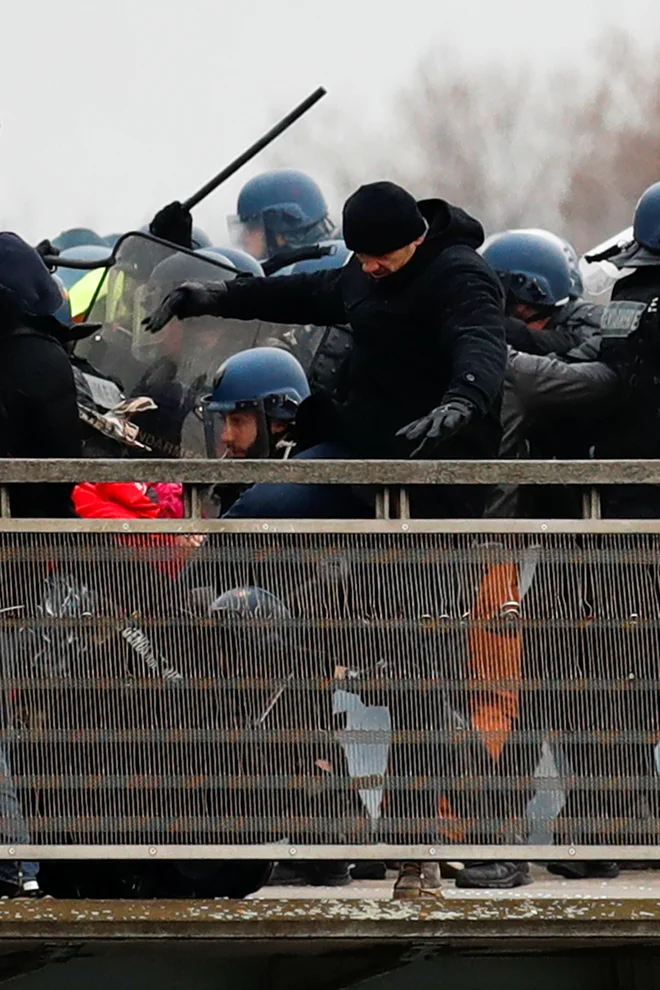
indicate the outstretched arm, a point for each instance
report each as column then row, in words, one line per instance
column 313, row 298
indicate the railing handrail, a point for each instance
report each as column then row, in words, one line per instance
column 332, row 472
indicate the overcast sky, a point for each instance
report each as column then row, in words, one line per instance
column 110, row 109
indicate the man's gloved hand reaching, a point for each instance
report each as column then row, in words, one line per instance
column 440, row 424
column 173, row 224
column 187, row 300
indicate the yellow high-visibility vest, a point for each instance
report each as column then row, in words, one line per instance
column 83, row 291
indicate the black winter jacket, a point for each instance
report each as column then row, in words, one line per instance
column 431, row 331
column 38, row 414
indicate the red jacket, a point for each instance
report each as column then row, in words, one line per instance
column 114, row 500
column 129, row 500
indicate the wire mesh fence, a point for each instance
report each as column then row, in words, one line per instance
column 365, row 689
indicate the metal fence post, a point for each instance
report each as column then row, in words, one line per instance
column 591, row 507
column 383, row 503
column 5, row 506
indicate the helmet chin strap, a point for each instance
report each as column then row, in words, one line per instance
column 286, row 447
column 282, row 444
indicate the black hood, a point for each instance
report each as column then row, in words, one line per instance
column 26, row 285
column 449, row 225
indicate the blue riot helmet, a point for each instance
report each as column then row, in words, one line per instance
column 643, row 251
column 533, row 269
column 266, row 375
column 577, row 290
column 251, row 602
column 573, row 258
column 219, row 257
column 180, row 267
column 256, row 634
column 256, row 393
column 200, row 239
column 646, row 223
column 111, row 239
column 279, row 209
column 77, row 236
column 241, row 260
column 238, row 262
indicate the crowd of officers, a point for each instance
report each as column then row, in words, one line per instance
column 436, row 343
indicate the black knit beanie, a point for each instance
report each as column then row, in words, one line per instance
column 381, row 217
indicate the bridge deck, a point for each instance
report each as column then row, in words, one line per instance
column 627, row 908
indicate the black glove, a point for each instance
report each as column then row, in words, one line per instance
column 46, row 249
column 440, row 424
column 174, row 224
column 189, row 299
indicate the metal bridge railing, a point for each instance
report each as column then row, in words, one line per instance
column 396, row 688
column 334, row 472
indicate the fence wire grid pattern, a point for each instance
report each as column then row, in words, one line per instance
column 330, row 688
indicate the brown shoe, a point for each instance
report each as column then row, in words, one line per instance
column 416, row 880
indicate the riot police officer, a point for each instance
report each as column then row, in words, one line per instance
column 541, row 277
column 252, row 407
column 251, row 412
column 640, row 258
column 554, row 373
column 276, row 210
column 280, row 209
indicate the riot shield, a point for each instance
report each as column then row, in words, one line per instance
column 176, row 367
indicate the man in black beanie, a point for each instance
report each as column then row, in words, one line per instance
column 426, row 370
column 383, row 223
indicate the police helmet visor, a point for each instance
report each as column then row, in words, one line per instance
column 236, row 430
column 277, row 226
column 249, row 236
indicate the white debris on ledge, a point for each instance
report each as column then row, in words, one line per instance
column 631, row 884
